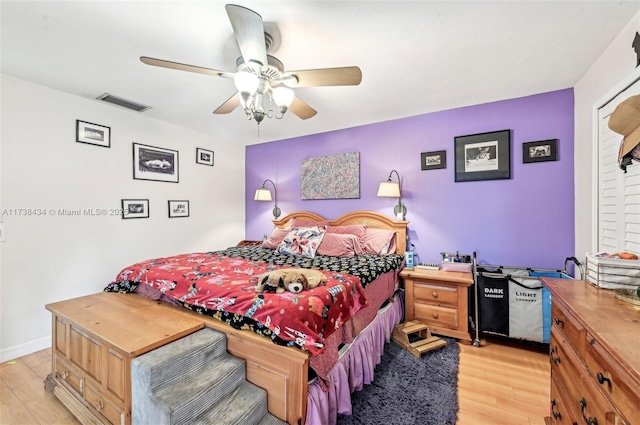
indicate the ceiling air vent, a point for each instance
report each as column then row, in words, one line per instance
column 123, row 102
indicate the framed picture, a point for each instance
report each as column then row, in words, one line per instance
column 93, row 134
column 204, row 157
column 135, row 208
column 484, row 156
column 178, row 209
column 433, row 160
column 157, row 164
column 543, row 150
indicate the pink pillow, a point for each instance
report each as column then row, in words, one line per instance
column 380, row 241
column 276, row 237
column 340, row 245
column 352, row 229
column 357, row 230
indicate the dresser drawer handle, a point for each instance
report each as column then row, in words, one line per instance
column 99, row 405
column 435, row 315
column 588, row 421
column 602, row 379
column 555, row 359
column 434, row 294
column 556, row 415
column 558, row 322
column 65, row 374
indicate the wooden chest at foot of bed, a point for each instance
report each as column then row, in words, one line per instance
column 94, row 339
column 438, row 299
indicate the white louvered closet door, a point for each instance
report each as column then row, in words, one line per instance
column 618, row 192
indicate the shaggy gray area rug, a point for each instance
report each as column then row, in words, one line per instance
column 407, row 390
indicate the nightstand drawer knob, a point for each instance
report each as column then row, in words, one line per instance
column 435, row 315
column 434, row 294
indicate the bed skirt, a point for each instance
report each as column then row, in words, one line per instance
column 355, row 366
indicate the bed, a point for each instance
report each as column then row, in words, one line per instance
column 335, row 337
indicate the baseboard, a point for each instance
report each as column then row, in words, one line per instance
column 24, row 349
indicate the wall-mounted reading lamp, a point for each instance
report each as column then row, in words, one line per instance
column 264, row 194
column 391, row 189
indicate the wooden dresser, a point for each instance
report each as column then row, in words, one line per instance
column 438, row 299
column 95, row 338
column 594, row 355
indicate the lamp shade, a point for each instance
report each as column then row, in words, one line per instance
column 389, row 189
column 246, row 82
column 283, row 96
column 262, row 194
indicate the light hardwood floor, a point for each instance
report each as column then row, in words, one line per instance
column 498, row 384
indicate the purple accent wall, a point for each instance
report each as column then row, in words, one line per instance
column 527, row 220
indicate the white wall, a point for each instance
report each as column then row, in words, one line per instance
column 616, row 67
column 49, row 258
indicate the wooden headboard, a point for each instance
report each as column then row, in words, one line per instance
column 370, row 218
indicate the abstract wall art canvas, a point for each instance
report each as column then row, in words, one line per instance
column 331, row 177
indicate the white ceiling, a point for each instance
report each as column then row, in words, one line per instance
column 416, row 57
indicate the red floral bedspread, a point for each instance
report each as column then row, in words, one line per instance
column 227, row 284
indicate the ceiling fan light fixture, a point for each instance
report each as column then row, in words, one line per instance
column 290, row 80
column 246, row 82
column 259, row 76
column 283, row 97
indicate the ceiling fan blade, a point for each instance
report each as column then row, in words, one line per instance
column 346, row 76
column 182, row 66
column 232, row 103
column 301, row 109
column 249, row 30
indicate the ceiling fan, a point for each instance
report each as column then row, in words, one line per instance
column 260, row 78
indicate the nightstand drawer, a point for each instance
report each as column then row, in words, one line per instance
column 435, row 315
column 439, row 299
column 436, row 294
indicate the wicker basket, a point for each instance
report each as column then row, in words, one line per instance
column 611, row 273
column 457, row 267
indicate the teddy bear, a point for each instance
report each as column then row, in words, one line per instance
column 293, row 280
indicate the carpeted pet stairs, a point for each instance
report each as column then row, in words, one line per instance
column 195, row 381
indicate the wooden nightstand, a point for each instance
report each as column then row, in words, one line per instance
column 438, row 299
column 249, row 243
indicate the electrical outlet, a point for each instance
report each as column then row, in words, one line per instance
column 3, row 236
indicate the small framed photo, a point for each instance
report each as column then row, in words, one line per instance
column 204, row 157
column 93, row 134
column 484, row 156
column 178, row 209
column 540, row 151
column 135, row 208
column 433, row 160
column 157, row 164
